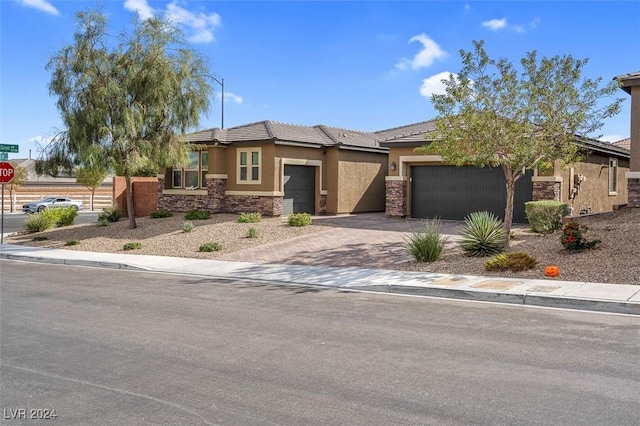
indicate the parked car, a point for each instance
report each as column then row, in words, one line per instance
column 51, row 202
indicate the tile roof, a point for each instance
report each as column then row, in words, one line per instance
column 628, row 80
column 623, row 143
column 411, row 132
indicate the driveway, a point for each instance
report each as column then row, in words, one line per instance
column 369, row 239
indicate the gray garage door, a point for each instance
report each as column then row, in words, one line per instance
column 299, row 190
column 450, row 192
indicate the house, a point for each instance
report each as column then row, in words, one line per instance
column 422, row 186
column 630, row 83
column 623, row 143
column 278, row 169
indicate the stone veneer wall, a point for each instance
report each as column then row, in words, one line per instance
column 633, row 191
column 396, row 198
column 323, row 204
column 268, row 206
column 213, row 202
column 546, row 191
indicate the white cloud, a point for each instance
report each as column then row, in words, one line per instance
column 200, row 24
column 423, row 59
column 433, row 85
column 141, row 6
column 41, row 5
column 495, row 24
column 612, row 138
column 230, row 96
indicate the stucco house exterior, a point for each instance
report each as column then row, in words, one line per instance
column 278, row 169
column 630, row 83
column 422, row 186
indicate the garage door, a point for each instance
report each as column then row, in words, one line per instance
column 299, row 190
column 450, row 192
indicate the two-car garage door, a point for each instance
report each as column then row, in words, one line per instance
column 451, row 193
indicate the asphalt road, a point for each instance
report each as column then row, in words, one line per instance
column 13, row 222
column 108, row 347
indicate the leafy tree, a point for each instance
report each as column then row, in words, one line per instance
column 125, row 100
column 20, row 176
column 91, row 178
column 490, row 115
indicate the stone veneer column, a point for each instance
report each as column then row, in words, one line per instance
column 161, row 186
column 216, row 187
column 546, row 190
column 396, row 196
column 323, row 204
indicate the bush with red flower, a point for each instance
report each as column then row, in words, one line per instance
column 573, row 239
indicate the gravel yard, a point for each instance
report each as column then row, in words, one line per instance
column 616, row 260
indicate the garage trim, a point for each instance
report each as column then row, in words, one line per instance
column 301, row 162
column 417, row 159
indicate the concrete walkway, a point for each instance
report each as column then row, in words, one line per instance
column 615, row 298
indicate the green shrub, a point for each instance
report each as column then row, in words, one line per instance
column 159, row 214
column 300, row 219
column 132, row 246
column 426, row 244
column 38, row 222
column 197, row 215
column 40, row 238
column 188, row 226
column 482, row 234
column 545, row 216
column 102, row 222
column 64, row 216
column 512, row 261
column 207, row 247
column 72, row 243
column 250, row 218
column 573, row 238
column 252, row 232
column 110, row 214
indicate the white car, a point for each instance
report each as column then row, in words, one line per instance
column 49, row 203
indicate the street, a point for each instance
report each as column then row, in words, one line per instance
column 13, row 222
column 111, row 347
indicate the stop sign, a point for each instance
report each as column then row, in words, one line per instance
column 6, row 172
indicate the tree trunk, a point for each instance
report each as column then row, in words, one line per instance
column 508, row 211
column 91, row 199
column 130, row 208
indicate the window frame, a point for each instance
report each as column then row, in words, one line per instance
column 613, row 176
column 250, row 167
column 201, row 170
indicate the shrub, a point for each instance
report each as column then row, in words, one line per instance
column 102, row 222
column 482, row 234
column 210, row 247
column 38, row 222
column 426, row 244
column 250, row 218
column 64, row 216
column 545, row 216
column 573, row 239
column 110, row 214
column 159, row 214
column 132, row 246
column 514, row 261
column 40, row 238
column 252, row 232
column 300, row 219
column 188, row 226
column 197, row 215
column 72, row 243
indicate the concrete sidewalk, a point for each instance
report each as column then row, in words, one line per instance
column 615, row 298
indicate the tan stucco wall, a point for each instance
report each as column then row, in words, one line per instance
column 331, row 179
column 635, row 129
column 361, row 184
column 594, row 192
column 394, row 156
column 267, row 170
column 217, row 160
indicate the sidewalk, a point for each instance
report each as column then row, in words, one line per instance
column 616, row 298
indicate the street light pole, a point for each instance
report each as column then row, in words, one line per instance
column 221, row 83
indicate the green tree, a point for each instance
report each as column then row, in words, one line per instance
column 90, row 178
column 125, row 100
column 20, row 176
column 492, row 115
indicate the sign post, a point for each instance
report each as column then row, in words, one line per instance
column 6, row 175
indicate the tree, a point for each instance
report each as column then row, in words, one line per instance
column 125, row 100
column 20, row 176
column 492, row 116
column 90, row 178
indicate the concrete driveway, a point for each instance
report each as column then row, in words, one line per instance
column 369, row 239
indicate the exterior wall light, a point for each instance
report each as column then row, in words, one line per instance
column 393, row 166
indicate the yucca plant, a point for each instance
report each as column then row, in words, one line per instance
column 482, row 234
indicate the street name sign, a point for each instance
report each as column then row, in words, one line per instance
column 9, row 148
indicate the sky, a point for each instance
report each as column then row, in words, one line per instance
column 361, row 65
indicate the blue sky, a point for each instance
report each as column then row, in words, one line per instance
column 353, row 64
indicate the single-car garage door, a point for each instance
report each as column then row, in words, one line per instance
column 299, row 190
column 450, row 192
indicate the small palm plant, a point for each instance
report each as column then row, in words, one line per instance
column 482, row 234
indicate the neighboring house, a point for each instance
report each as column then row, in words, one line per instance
column 278, row 169
column 623, row 143
column 38, row 187
column 422, row 186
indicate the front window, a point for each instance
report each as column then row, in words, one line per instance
column 613, row 175
column 193, row 176
column 249, row 165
